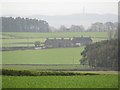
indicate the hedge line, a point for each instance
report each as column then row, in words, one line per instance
column 40, row 73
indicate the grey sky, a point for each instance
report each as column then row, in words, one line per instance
column 58, row 7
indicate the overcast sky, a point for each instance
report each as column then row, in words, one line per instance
column 58, row 7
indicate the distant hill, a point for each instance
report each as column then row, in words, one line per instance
column 77, row 19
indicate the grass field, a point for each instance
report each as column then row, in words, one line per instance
column 51, row 56
column 55, row 34
column 17, row 37
column 45, row 67
column 45, row 56
column 57, row 58
column 95, row 81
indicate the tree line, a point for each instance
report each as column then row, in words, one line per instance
column 101, row 54
column 102, row 27
column 18, row 24
column 95, row 27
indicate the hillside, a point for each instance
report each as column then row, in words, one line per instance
column 76, row 19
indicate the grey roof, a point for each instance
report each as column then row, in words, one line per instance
column 67, row 42
column 81, row 39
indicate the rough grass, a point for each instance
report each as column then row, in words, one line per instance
column 46, row 56
column 96, row 81
column 46, row 67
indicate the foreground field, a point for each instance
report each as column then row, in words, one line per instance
column 95, row 81
column 46, row 56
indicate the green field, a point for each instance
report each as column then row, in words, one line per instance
column 95, row 81
column 45, row 67
column 55, row 34
column 48, row 56
column 55, row 58
column 45, row 56
column 17, row 37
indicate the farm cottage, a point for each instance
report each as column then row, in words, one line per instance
column 56, row 43
column 76, row 41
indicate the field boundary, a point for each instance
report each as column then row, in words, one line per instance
column 56, row 67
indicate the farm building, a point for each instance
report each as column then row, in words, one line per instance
column 77, row 41
column 81, row 41
column 55, row 43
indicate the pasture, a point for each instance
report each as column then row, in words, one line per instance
column 55, row 58
column 90, row 81
column 46, row 67
column 13, row 39
column 53, row 34
column 44, row 56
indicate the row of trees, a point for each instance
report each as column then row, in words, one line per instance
column 73, row 28
column 101, row 27
column 19, row 24
column 95, row 27
column 101, row 54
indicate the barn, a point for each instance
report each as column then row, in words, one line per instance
column 77, row 41
column 56, row 43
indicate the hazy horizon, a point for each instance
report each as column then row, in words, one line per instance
column 14, row 15
column 72, row 19
column 53, row 8
column 67, row 10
